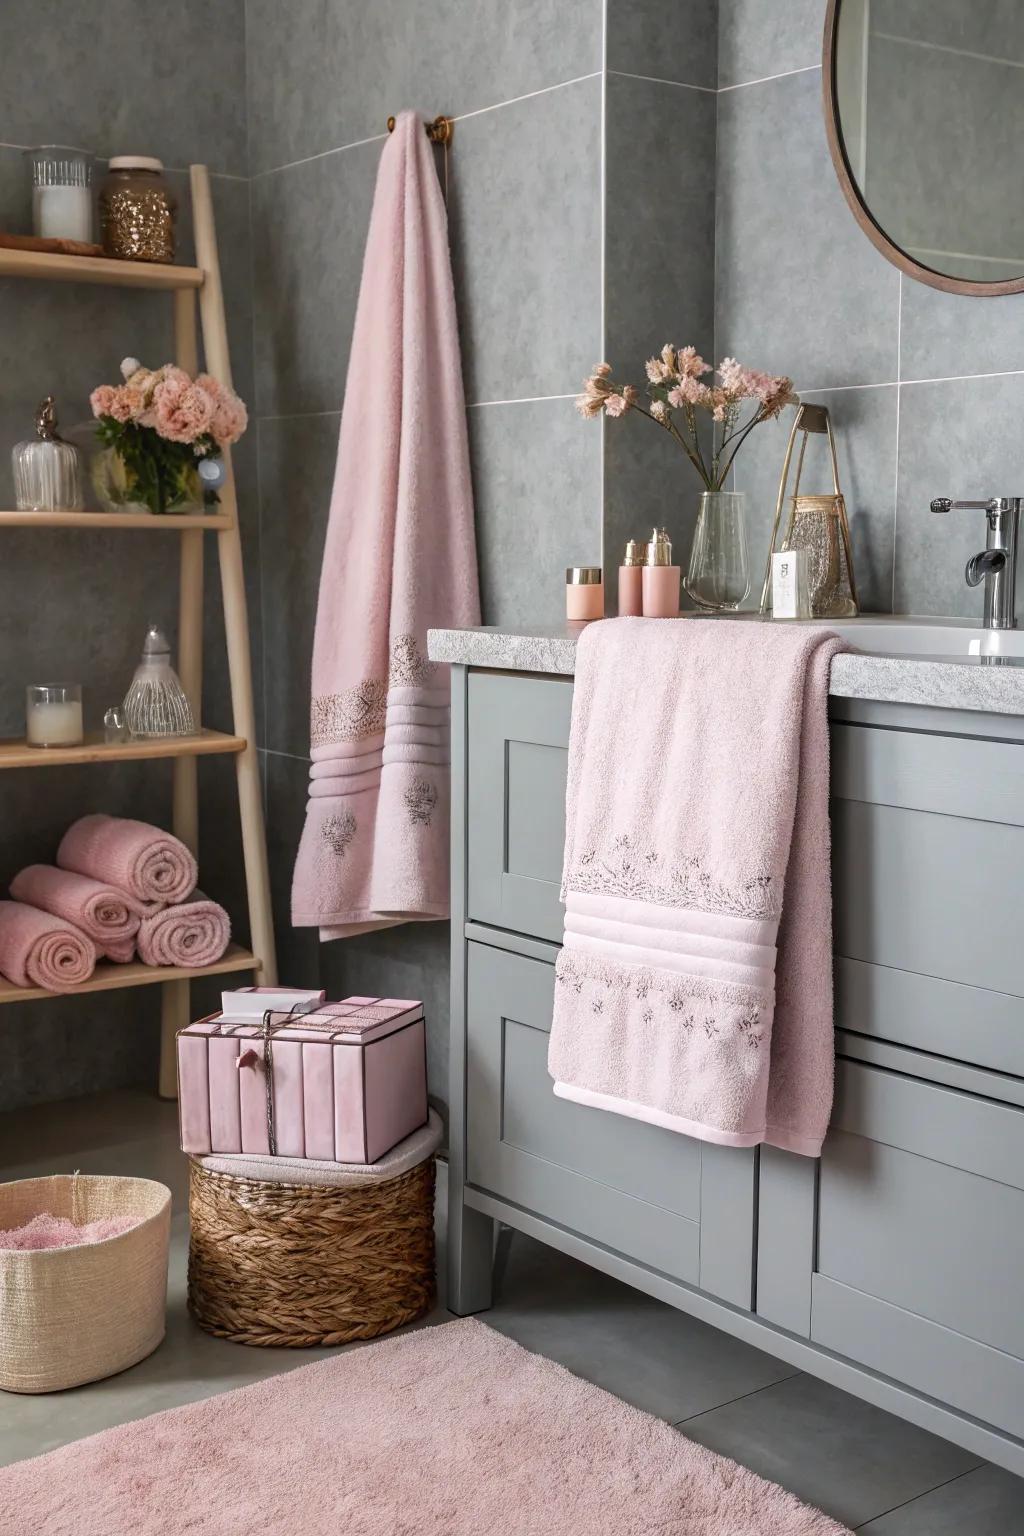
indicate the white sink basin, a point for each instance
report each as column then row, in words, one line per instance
column 942, row 639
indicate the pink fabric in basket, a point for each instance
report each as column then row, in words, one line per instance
column 46, row 1231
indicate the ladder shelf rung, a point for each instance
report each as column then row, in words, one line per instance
column 94, row 749
column 170, row 522
column 108, row 977
column 54, row 267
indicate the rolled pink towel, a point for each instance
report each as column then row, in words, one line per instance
column 149, row 864
column 109, row 916
column 40, row 950
column 194, row 933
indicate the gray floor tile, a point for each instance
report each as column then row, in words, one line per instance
column 846, row 1457
column 643, row 1351
column 987, row 1502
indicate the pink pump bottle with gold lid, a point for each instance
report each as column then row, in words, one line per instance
column 631, row 587
column 660, row 578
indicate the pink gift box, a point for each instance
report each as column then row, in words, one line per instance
column 349, row 1081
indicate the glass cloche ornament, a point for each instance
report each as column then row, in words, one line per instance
column 155, row 704
column 47, row 470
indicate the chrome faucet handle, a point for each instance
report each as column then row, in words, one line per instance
column 993, row 504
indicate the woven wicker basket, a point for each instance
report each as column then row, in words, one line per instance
column 298, row 1265
column 71, row 1315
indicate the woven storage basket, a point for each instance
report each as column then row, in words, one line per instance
column 71, row 1315
column 302, row 1264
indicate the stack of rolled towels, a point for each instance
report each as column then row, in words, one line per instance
column 119, row 887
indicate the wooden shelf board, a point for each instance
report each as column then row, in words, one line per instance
column 108, row 977
column 54, row 267
column 18, row 754
column 171, row 522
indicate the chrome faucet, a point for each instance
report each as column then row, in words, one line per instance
column 996, row 564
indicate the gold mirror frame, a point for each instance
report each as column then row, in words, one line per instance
column 874, row 231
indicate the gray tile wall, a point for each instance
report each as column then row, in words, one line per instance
column 926, row 388
column 112, row 76
column 524, row 194
column 659, row 249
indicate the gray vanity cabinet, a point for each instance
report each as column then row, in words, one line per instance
column 894, row 1265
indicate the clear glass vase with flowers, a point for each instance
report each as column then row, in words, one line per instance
column 159, row 437
column 710, row 421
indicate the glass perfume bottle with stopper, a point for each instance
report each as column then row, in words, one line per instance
column 155, row 704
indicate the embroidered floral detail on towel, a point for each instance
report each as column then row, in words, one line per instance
column 362, row 711
column 684, row 1036
column 420, row 800
column 337, row 831
column 579, row 972
column 409, row 667
column 348, row 716
column 642, row 874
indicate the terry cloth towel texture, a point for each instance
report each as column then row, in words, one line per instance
column 108, row 915
column 400, row 557
column 149, row 864
column 192, row 933
column 40, row 950
column 697, row 840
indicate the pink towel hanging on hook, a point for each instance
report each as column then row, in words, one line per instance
column 400, row 558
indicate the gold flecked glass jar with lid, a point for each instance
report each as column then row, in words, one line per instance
column 137, row 210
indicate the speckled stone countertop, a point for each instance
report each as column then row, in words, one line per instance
column 935, row 677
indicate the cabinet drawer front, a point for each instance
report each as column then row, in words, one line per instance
column 928, row 893
column 945, row 1018
column 921, row 1214
column 631, row 1186
column 518, row 746
column 679, row 1205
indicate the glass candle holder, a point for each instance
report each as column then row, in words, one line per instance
column 61, row 192
column 53, row 714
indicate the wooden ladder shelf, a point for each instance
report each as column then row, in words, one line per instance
column 185, row 284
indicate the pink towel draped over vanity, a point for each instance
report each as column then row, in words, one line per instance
column 694, row 987
column 400, row 557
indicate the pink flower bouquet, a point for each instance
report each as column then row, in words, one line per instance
column 677, row 395
column 156, row 430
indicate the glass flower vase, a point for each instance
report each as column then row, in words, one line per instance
column 718, row 576
column 145, row 485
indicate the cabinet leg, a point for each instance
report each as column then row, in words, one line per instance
column 470, row 1259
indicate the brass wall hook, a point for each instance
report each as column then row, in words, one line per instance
column 440, row 131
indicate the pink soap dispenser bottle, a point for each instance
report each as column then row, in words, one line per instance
column 660, row 578
column 631, row 590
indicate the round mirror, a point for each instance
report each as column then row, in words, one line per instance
column 924, row 109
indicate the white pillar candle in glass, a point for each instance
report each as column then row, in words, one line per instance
column 53, row 714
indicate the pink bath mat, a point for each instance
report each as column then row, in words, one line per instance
column 450, row 1431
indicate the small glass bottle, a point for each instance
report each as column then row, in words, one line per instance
column 155, row 704
column 660, row 578
column 47, row 470
column 631, row 587
column 584, row 593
